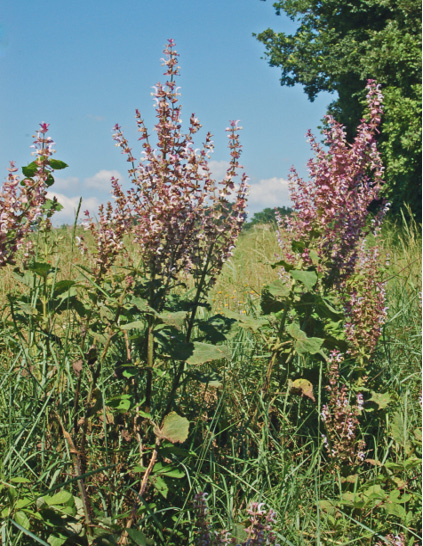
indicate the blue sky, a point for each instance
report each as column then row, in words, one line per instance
column 83, row 66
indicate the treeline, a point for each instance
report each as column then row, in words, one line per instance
column 267, row 216
column 337, row 47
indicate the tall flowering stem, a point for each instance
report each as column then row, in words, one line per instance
column 331, row 210
column 175, row 210
column 331, row 222
column 21, row 201
column 340, row 417
column 180, row 219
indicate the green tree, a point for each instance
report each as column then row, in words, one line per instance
column 267, row 216
column 338, row 45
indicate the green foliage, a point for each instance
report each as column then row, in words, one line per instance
column 338, row 46
column 267, row 216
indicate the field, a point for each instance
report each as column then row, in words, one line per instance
column 243, row 445
column 168, row 378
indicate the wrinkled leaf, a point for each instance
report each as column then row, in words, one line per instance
column 120, row 403
column 176, row 319
column 302, row 386
column 246, row 321
column 55, row 540
column 175, row 428
column 40, row 268
column 160, row 485
column 30, row 169
column 307, row 278
column 382, row 399
column 59, row 498
column 136, row 325
column 278, row 288
column 168, row 471
column 22, row 519
column 203, row 352
column 303, row 344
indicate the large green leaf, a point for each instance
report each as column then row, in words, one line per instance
column 382, row 399
column 136, row 325
column 175, row 319
column 303, row 344
column 307, row 278
column 247, row 321
column 22, row 519
column 175, row 428
column 160, row 485
column 57, row 165
column 55, row 540
column 168, row 471
column 219, row 328
column 120, row 403
column 30, row 169
column 62, row 286
column 203, row 352
column 270, row 302
column 59, row 498
column 278, row 288
column 40, row 268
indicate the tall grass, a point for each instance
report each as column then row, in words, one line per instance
column 243, row 447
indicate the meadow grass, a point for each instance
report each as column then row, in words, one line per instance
column 242, row 446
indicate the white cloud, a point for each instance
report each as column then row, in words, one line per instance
column 268, row 193
column 70, row 206
column 101, row 180
column 65, row 184
column 218, row 169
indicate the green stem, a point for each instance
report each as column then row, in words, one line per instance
column 181, row 366
column 150, row 363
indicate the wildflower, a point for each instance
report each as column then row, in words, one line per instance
column 330, row 211
column 180, row 218
column 340, row 419
column 21, row 201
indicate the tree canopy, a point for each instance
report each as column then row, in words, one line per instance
column 338, row 46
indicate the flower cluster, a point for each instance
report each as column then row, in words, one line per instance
column 364, row 299
column 109, row 230
column 331, row 210
column 21, row 201
column 259, row 530
column 180, row 218
column 340, row 418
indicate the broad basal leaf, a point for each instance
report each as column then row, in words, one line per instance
column 175, row 319
column 307, row 278
column 175, row 428
column 203, row 352
column 303, row 344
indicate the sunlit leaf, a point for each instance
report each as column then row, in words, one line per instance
column 302, row 386
column 175, row 428
column 57, row 165
column 307, row 278
column 303, row 344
